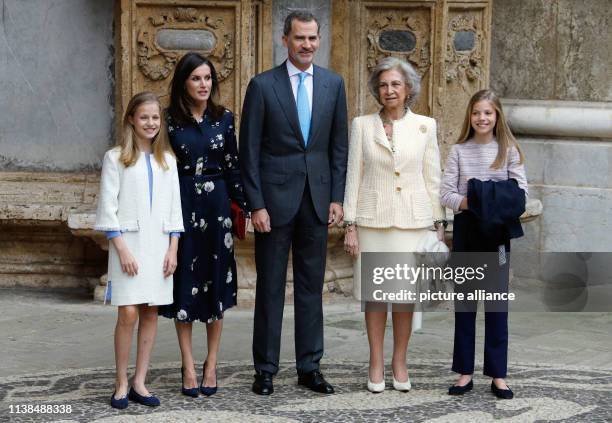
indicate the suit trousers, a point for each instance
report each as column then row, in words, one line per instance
column 307, row 238
column 467, row 239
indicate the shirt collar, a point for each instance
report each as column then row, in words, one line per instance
column 293, row 70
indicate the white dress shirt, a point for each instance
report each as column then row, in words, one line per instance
column 295, row 81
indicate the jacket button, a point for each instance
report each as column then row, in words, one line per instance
column 398, row 189
column 397, row 173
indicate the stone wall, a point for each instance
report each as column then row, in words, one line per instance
column 559, row 50
column 56, row 89
column 552, row 49
column 569, row 169
column 573, row 179
column 56, row 103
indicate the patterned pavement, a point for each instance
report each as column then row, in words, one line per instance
column 542, row 393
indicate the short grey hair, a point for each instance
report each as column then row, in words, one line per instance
column 411, row 78
column 302, row 16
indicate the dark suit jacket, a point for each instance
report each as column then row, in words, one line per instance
column 498, row 207
column 274, row 161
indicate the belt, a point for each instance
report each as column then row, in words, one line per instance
column 210, row 173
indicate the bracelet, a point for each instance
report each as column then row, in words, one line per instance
column 348, row 223
column 350, row 228
column 440, row 222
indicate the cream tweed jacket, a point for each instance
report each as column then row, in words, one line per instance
column 400, row 188
column 123, row 205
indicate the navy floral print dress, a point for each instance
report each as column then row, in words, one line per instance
column 205, row 283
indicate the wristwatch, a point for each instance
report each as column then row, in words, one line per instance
column 440, row 222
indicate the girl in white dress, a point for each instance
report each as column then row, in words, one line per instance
column 139, row 208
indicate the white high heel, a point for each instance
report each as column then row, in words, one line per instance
column 376, row 388
column 402, row 386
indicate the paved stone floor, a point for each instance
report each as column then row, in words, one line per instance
column 57, row 350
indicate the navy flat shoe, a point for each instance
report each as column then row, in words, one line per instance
column 460, row 390
column 119, row 403
column 207, row 390
column 501, row 393
column 150, row 401
column 190, row 392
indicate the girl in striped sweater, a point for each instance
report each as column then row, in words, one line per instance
column 486, row 150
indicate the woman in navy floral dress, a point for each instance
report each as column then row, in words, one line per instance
column 202, row 136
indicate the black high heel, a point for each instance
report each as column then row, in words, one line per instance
column 207, row 390
column 190, row 392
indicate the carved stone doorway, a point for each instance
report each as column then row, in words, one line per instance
column 152, row 35
column 447, row 42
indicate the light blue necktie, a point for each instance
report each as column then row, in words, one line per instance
column 303, row 108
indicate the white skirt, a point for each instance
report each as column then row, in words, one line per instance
column 386, row 240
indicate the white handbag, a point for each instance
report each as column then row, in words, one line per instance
column 431, row 251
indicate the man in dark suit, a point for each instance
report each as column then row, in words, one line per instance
column 293, row 155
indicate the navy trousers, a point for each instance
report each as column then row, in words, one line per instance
column 468, row 239
column 306, row 236
column 495, row 348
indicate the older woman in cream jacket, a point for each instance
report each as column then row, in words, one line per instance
column 391, row 199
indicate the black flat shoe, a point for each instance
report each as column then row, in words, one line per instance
column 315, row 382
column 501, row 393
column 207, row 390
column 149, row 401
column 190, row 392
column 119, row 403
column 460, row 390
column 263, row 383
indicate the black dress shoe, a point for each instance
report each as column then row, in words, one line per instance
column 501, row 393
column 315, row 382
column 460, row 390
column 263, row 383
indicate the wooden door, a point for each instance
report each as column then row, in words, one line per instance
column 152, row 35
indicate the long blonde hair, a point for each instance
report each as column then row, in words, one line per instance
column 129, row 148
column 505, row 139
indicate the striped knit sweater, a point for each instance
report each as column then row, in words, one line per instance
column 472, row 160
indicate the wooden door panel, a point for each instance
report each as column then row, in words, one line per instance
column 154, row 34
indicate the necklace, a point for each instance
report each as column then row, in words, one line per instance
column 387, row 121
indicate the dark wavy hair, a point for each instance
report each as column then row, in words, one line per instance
column 180, row 99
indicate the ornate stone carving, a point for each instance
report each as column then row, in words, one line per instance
column 464, row 65
column 157, row 63
column 154, row 64
column 186, row 14
column 419, row 55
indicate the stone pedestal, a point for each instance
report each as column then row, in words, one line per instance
column 36, row 248
column 81, row 224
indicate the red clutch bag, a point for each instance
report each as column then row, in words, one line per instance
column 238, row 221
